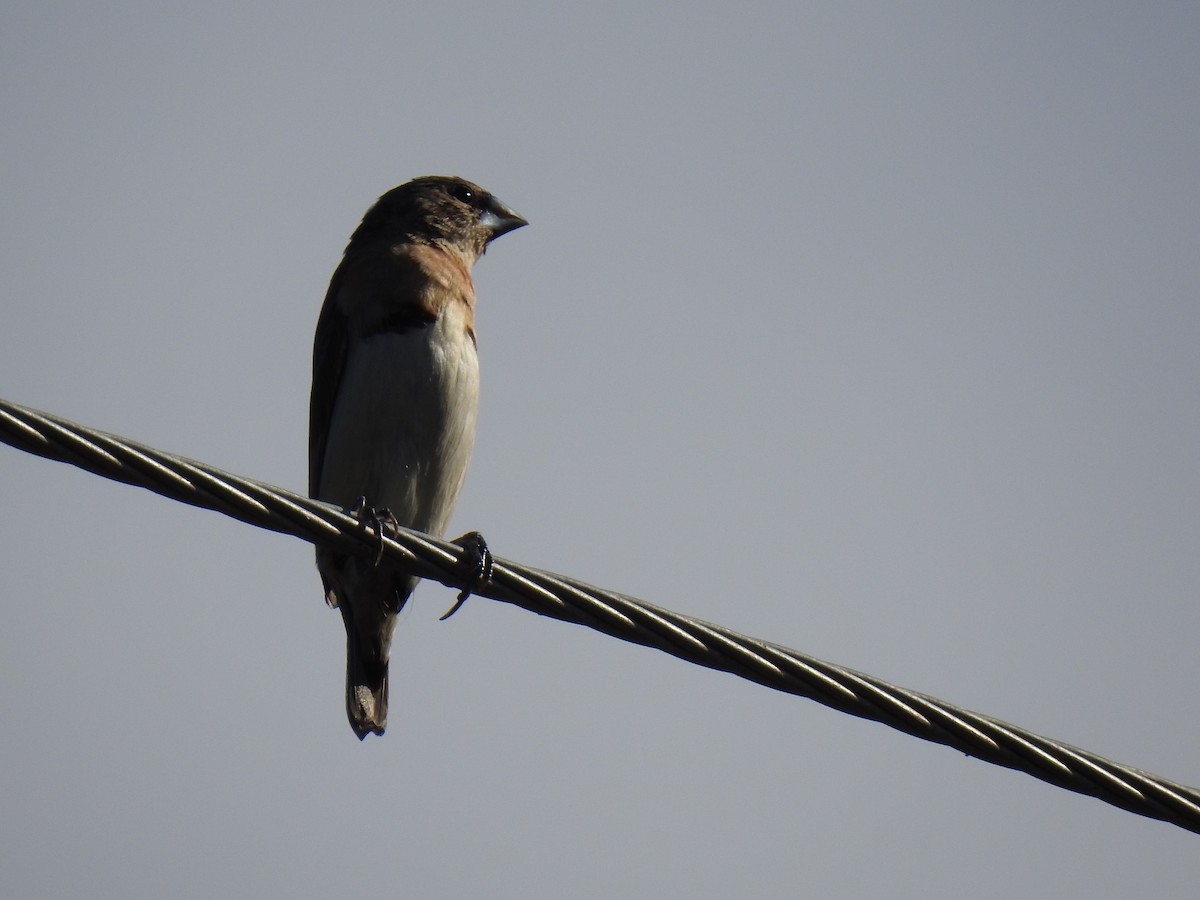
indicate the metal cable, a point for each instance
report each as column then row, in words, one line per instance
column 621, row 616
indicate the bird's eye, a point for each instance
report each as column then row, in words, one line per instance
column 463, row 193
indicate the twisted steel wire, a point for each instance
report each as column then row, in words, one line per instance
column 618, row 615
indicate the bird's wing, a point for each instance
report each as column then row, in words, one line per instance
column 329, row 361
column 367, row 296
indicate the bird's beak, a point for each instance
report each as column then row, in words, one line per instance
column 499, row 219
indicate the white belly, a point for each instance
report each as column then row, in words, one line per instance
column 403, row 425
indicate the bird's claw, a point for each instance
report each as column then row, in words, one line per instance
column 478, row 562
column 377, row 519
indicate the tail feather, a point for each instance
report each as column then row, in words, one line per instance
column 369, row 597
column 366, row 686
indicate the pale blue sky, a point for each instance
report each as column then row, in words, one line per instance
column 866, row 329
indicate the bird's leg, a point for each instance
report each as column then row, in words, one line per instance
column 478, row 563
column 377, row 519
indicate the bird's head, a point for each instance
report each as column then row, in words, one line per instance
column 439, row 209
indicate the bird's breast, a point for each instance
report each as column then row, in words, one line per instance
column 403, row 425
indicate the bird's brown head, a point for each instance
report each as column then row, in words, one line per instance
column 438, row 209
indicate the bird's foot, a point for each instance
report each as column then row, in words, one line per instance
column 381, row 520
column 478, row 564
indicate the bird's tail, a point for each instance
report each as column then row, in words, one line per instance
column 366, row 683
column 369, row 598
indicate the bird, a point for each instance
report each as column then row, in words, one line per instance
column 395, row 394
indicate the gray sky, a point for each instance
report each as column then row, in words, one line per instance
column 869, row 330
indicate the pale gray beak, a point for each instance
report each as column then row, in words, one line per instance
column 499, row 219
